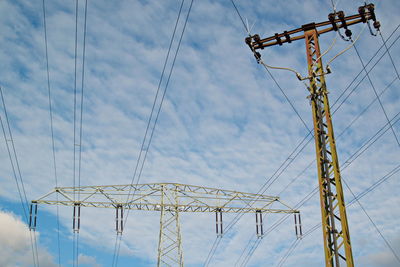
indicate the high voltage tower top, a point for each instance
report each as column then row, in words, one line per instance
column 170, row 200
column 335, row 228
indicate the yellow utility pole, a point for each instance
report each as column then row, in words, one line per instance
column 335, row 229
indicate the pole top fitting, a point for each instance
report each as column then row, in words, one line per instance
column 309, row 26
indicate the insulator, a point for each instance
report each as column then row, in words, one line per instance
column 287, row 36
column 361, row 11
column 348, row 33
column 259, row 224
column 122, row 219
column 247, row 40
column 218, row 222
column 33, row 216
column 377, row 25
column 119, row 219
column 331, row 18
column 257, row 39
column 79, row 217
column 371, row 9
column 30, row 216
column 73, row 219
column 278, row 39
column 76, row 221
column 300, row 228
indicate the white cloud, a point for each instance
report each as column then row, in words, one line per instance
column 88, row 260
column 15, row 244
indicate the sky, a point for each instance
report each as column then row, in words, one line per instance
column 224, row 123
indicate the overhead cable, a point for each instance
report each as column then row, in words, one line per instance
column 51, row 128
column 12, row 154
column 130, row 196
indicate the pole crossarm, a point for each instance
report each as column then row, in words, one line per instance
column 147, row 197
column 336, row 21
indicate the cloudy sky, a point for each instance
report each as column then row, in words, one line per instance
column 224, row 123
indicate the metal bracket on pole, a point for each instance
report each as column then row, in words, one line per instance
column 76, row 221
column 218, row 222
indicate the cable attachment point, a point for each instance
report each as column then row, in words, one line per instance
column 278, row 39
column 332, row 18
column 287, row 36
column 371, row 9
column 249, row 42
column 328, row 69
column 33, row 217
column 76, row 220
column 218, row 222
column 259, row 224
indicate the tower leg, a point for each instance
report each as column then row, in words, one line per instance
column 170, row 241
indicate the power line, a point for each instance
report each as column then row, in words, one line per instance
column 17, row 176
column 376, row 94
column 304, row 200
column 214, row 247
column 369, row 61
column 351, row 123
column 357, row 198
column 75, row 241
column 373, row 223
column 51, row 127
column 116, row 253
column 390, row 56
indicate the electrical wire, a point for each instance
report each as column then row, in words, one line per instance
column 346, row 49
column 357, row 198
column 214, row 247
column 373, row 223
column 338, row 137
column 390, row 56
column 75, row 258
column 240, row 16
column 376, row 94
column 361, row 80
column 51, row 129
column 116, row 254
column 287, row 98
column 81, row 121
column 346, row 98
column 367, row 145
column 12, row 153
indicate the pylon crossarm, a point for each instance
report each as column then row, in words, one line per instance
column 168, row 207
column 170, row 200
column 147, row 197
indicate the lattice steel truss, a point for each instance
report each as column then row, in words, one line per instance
column 170, row 199
column 334, row 219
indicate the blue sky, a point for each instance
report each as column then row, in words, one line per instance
column 224, row 123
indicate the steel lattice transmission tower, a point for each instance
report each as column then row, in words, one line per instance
column 335, row 228
column 170, row 200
